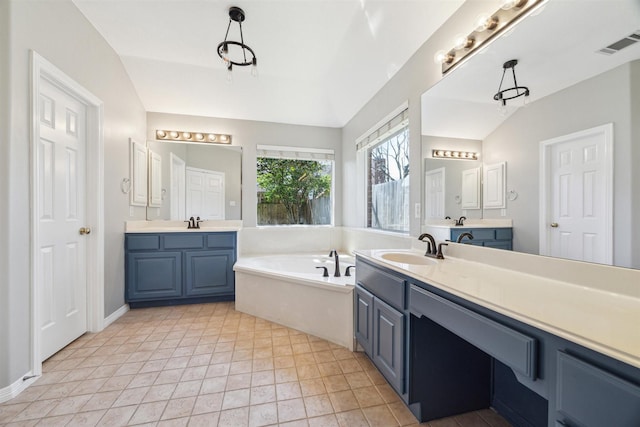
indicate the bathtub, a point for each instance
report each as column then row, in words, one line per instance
column 289, row 290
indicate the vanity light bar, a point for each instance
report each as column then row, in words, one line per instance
column 487, row 27
column 451, row 154
column 178, row 135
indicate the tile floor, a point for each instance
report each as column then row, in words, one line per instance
column 208, row 365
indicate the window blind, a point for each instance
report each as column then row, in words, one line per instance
column 395, row 124
column 294, row 153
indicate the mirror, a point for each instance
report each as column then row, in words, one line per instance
column 194, row 179
column 574, row 88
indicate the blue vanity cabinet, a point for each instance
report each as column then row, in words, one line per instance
column 499, row 238
column 179, row 268
column 380, row 321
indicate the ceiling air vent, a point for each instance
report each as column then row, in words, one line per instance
column 621, row 44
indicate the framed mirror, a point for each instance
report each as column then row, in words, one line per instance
column 194, row 179
column 579, row 80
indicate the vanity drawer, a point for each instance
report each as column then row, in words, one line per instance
column 142, row 242
column 183, row 241
column 383, row 285
column 504, row 233
column 511, row 347
column 588, row 396
column 221, row 240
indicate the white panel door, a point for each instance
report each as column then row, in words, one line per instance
column 434, row 194
column 155, row 179
column 61, row 254
column 494, row 186
column 177, row 172
column 577, row 220
column 195, row 193
column 471, row 189
column 213, row 195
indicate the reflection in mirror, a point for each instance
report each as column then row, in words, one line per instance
column 193, row 179
column 449, row 187
column 574, row 88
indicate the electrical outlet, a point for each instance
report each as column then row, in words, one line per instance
column 503, row 212
column 417, row 210
column 132, row 211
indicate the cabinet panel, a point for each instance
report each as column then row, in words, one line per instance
column 142, row 242
column 381, row 284
column 514, row 349
column 221, row 240
column 363, row 318
column 209, row 272
column 152, row 275
column 388, row 343
column 183, row 241
column 589, row 396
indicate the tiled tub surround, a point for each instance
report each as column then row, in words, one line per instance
column 290, row 290
column 208, row 365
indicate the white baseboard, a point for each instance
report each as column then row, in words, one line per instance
column 16, row 388
column 115, row 315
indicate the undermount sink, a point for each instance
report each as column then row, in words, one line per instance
column 407, row 258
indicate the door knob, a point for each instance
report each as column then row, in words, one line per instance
column 554, row 224
column 85, row 230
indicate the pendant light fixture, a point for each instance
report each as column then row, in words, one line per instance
column 237, row 52
column 503, row 95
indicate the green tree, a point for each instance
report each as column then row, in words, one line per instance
column 293, row 183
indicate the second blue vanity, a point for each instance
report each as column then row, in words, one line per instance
column 179, row 267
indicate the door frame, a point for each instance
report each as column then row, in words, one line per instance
column 605, row 130
column 94, row 198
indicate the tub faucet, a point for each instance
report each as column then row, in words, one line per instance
column 463, row 235
column 334, row 253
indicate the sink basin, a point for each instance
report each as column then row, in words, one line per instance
column 407, row 258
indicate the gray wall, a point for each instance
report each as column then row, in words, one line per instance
column 247, row 134
column 635, row 163
column 408, row 84
column 602, row 99
column 62, row 35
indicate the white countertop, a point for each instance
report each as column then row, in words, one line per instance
column 181, row 226
column 603, row 320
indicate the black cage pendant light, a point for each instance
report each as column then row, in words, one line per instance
column 237, row 52
column 503, row 95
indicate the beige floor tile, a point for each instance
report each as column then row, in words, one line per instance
column 174, row 422
column 187, row 389
column 239, row 381
column 471, row 419
column 87, row 419
column 402, row 413
column 177, row 408
column 241, row 367
column 285, row 375
column 238, row 417
column 37, row 409
column 290, row 410
column 218, row 370
column 204, row 420
column 69, row 405
column 313, row 387
column 287, row 391
column 262, row 378
column 329, row 420
column 353, row 418
column 263, row 414
column 281, row 362
column 159, row 392
column 10, row 410
column 263, row 394
column 58, row 421
column 358, row 379
column 131, row 396
column 318, row 405
column 102, row 400
column 208, row 403
column 236, row 398
column 344, row 400
column 213, row 385
column 368, row 396
column 307, row 372
column 380, row 416
column 117, row 416
column 335, row 383
column 148, row 412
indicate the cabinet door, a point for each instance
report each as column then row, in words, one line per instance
column 499, row 244
column 388, row 343
column 153, row 275
column 363, row 313
column 209, row 272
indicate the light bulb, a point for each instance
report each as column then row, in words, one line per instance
column 212, row 137
column 230, row 73
column 174, row 134
column 502, row 108
column 186, row 135
column 526, row 100
column 199, row 136
column 463, row 42
column 224, row 138
column 160, row 134
column 486, row 22
column 254, row 67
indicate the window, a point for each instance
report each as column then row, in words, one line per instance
column 294, row 186
column 387, row 165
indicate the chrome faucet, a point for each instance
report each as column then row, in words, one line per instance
column 463, row 235
column 460, row 221
column 334, row 253
column 433, row 251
